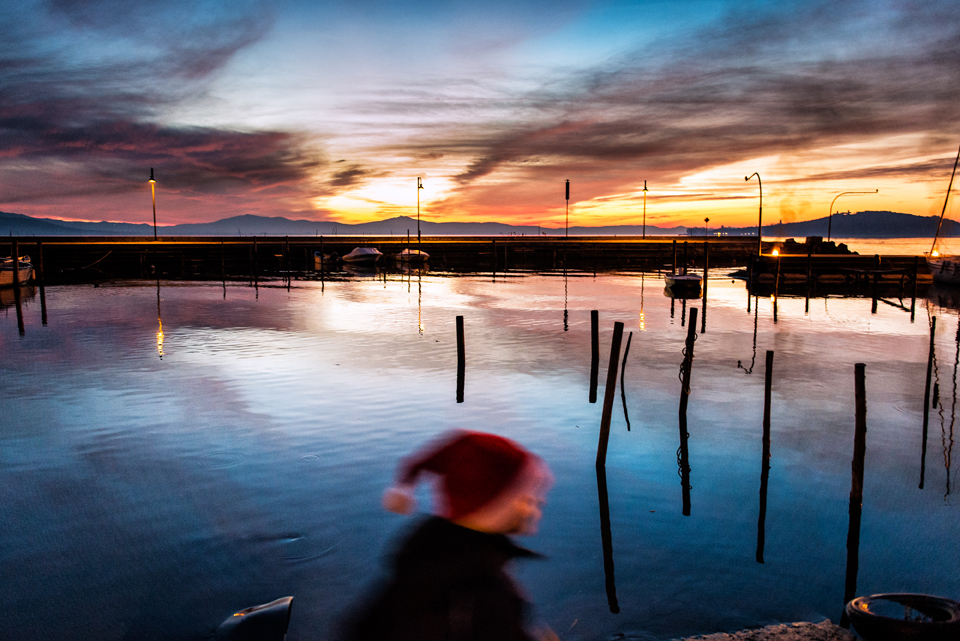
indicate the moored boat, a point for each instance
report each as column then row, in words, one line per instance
column 24, row 271
column 363, row 255
column 676, row 281
column 413, row 256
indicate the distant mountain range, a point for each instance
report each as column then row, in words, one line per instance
column 865, row 224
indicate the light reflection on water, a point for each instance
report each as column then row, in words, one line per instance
column 247, row 464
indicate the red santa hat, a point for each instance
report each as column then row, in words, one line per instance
column 474, row 469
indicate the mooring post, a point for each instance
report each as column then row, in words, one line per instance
column 926, row 402
column 809, row 262
column 15, row 257
column 494, row 264
column 685, row 259
column 913, row 299
column 856, row 490
column 675, row 256
column 461, row 359
column 623, row 369
column 43, row 293
column 256, row 275
column 765, row 465
column 594, row 353
column 608, row 393
column 685, row 372
column 706, row 269
column 223, row 265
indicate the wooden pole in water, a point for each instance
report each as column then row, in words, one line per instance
column 675, row 257
column 256, row 276
column 926, row 402
column 913, row 299
column 15, row 257
column 706, row 269
column 856, row 489
column 494, row 265
column 461, row 360
column 765, row 466
column 594, row 353
column 40, row 280
column 685, row 372
column 685, row 259
column 623, row 368
column 608, row 393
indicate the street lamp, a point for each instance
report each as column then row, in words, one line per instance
column 419, row 187
column 830, row 216
column 644, row 208
column 153, row 193
column 760, row 214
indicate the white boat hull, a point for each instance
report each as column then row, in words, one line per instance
column 413, row 256
column 676, row 281
column 945, row 271
column 362, row 256
column 6, row 276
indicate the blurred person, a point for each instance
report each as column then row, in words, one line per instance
column 448, row 577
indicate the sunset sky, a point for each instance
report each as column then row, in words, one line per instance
column 330, row 110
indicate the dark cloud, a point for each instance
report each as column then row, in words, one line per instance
column 92, row 112
column 349, row 176
column 759, row 82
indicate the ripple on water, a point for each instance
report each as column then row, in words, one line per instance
column 299, row 548
column 221, row 460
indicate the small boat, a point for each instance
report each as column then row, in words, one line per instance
column 899, row 617
column 413, row 256
column 24, row 271
column 944, row 269
column 363, row 255
column 324, row 260
column 677, row 281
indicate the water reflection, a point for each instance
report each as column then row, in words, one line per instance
column 606, row 540
column 160, row 325
column 753, row 358
column 765, row 460
column 855, row 509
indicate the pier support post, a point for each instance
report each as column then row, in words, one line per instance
column 765, row 465
column 40, row 281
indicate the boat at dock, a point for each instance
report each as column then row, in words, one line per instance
column 945, row 269
column 413, row 256
column 24, row 271
column 677, row 281
column 363, row 255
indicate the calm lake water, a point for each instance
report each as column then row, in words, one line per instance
column 151, row 484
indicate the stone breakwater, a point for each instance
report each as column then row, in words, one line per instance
column 823, row 631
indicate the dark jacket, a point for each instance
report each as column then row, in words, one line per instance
column 448, row 583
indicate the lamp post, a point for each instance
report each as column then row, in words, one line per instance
column 153, row 194
column 644, row 209
column 419, row 187
column 566, row 232
column 830, row 216
column 760, row 214
column 706, row 221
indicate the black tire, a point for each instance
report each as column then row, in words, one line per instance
column 939, row 620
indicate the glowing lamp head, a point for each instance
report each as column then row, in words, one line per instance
column 776, row 252
column 934, row 253
column 151, row 176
